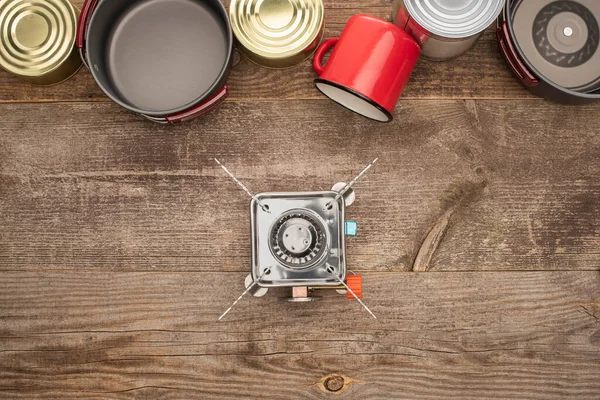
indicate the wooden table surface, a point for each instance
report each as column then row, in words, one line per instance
column 121, row 241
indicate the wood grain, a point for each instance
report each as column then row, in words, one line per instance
column 149, row 335
column 91, row 186
column 121, row 241
column 481, row 73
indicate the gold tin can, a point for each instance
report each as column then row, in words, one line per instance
column 277, row 33
column 37, row 40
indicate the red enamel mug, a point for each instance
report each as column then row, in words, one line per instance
column 369, row 66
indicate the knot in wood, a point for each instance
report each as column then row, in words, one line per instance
column 334, row 383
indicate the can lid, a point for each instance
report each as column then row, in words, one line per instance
column 36, row 36
column 454, row 19
column 277, row 33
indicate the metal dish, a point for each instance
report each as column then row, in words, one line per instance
column 165, row 59
column 552, row 47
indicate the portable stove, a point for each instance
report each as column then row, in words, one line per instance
column 298, row 242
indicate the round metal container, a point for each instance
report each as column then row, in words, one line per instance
column 561, row 39
column 37, row 39
column 167, row 60
column 277, row 33
column 552, row 47
column 446, row 28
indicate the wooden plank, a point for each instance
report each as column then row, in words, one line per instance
column 522, row 335
column 89, row 186
column 481, row 73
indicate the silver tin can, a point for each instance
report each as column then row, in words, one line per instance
column 445, row 29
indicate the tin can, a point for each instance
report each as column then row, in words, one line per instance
column 37, row 40
column 445, row 29
column 277, row 33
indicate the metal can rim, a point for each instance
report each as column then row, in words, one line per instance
column 430, row 19
column 54, row 51
column 277, row 43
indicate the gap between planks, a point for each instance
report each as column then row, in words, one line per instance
column 278, row 100
column 241, row 271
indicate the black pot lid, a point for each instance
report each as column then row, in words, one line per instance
column 561, row 39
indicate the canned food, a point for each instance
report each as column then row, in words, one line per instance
column 37, row 40
column 277, row 33
column 445, row 29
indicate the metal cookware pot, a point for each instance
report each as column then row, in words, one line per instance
column 167, row 60
column 445, row 29
column 37, row 40
column 552, row 46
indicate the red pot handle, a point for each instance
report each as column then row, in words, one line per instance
column 513, row 59
column 320, row 53
column 84, row 19
column 200, row 109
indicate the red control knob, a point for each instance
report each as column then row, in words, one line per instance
column 354, row 282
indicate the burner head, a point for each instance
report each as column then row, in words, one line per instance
column 297, row 238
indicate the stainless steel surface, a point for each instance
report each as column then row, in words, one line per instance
column 159, row 57
column 301, row 299
column 349, row 196
column 445, row 28
column 454, row 19
column 37, row 40
column 256, row 291
column 264, row 226
column 561, row 39
column 349, row 185
column 277, row 33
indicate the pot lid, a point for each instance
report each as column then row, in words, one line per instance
column 561, row 38
column 454, row 18
column 277, row 33
column 36, row 36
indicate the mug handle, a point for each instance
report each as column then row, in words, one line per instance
column 320, row 53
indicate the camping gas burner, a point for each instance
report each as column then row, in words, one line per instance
column 297, row 239
column 298, row 242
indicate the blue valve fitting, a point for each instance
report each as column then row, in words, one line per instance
column 351, row 227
